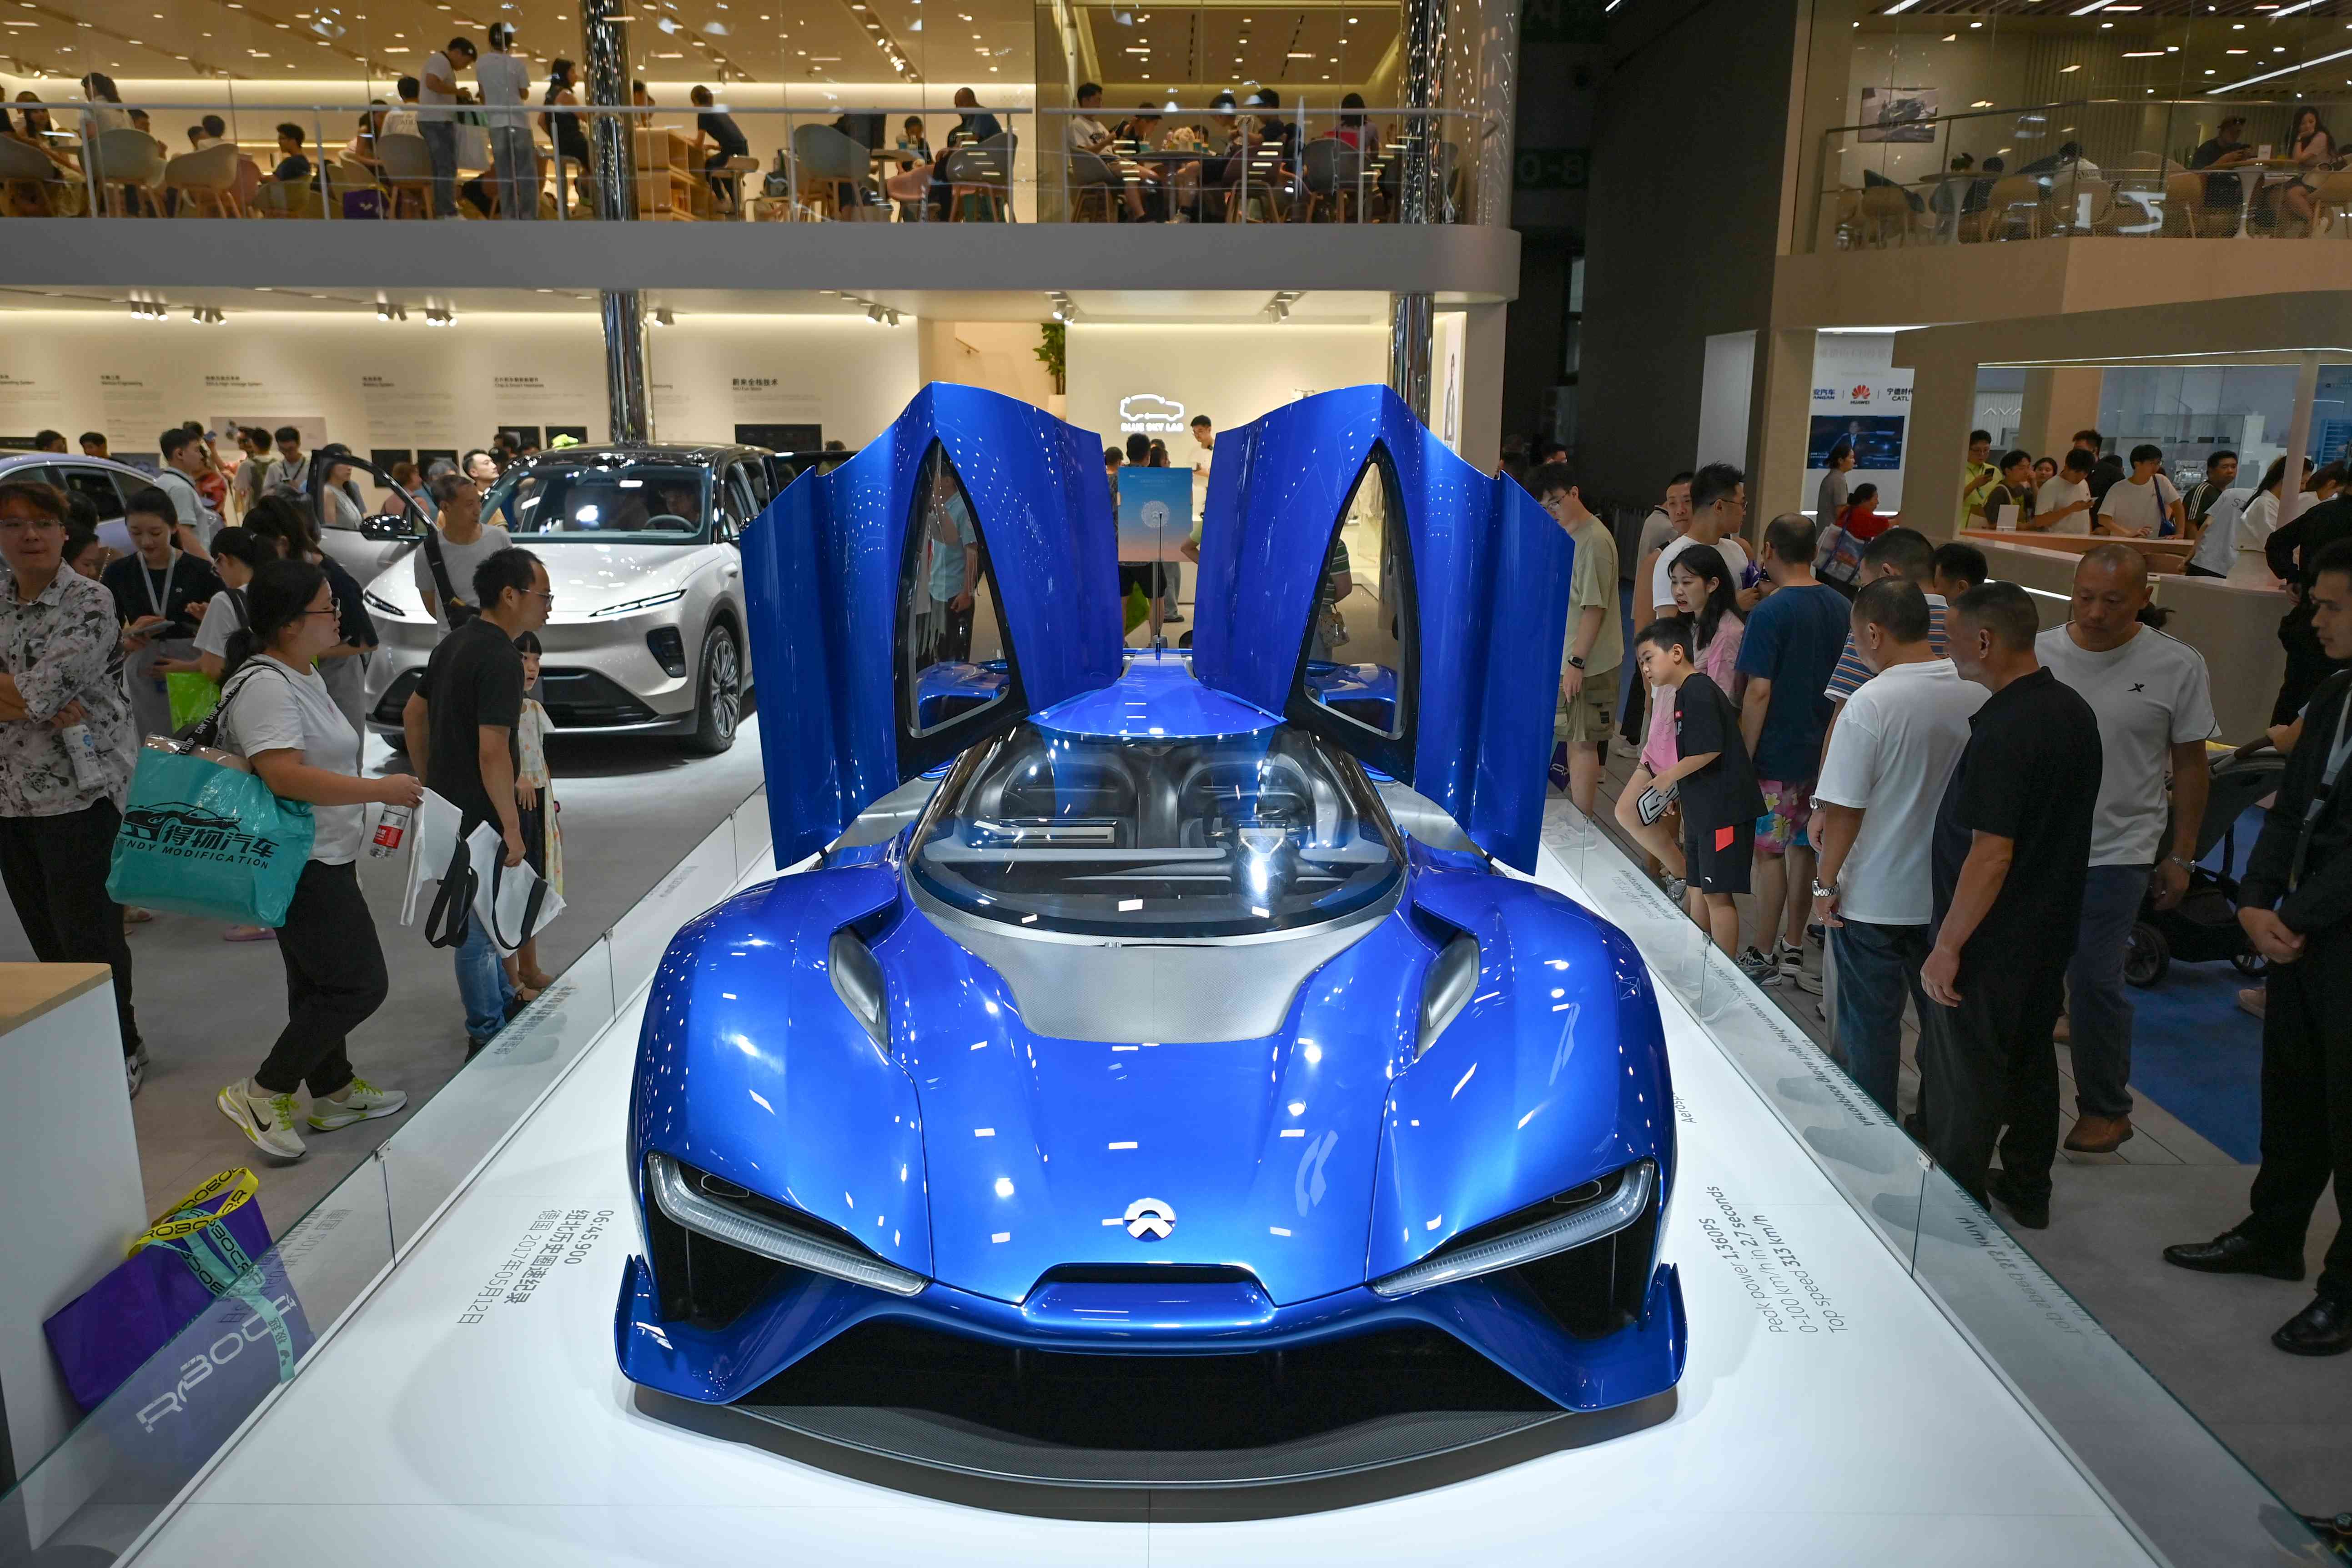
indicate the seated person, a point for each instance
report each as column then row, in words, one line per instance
column 1090, row 135
column 293, row 167
column 718, row 137
column 2225, row 195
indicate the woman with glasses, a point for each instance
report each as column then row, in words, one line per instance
column 277, row 713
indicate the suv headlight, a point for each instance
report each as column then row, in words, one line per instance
column 634, row 606
column 381, row 606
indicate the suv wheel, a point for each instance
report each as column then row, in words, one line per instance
column 718, row 696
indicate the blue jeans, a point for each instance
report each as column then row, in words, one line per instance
column 517, row 171
column 482, row 984
column 2098, row 1011
column 1875, row 965
column 441, row 147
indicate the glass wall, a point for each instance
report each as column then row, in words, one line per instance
column 835, row 110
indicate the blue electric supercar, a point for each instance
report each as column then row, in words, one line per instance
column 1154, row 1057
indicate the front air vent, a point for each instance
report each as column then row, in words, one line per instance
column 1556, row 1225
column 857, row 981
column 719, row 1252
column 1446, row 989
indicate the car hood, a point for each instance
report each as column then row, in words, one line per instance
column 584, row 578
column 1264, row 1151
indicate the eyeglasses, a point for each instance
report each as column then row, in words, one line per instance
column 26, row 524
column 546, row 594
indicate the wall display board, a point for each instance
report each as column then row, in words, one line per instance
column 1860, row 397
column 1155, row 513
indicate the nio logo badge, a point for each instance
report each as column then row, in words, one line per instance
column 1308, row 1187
column 1149, row 1219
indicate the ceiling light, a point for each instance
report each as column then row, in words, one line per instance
column 662, row 317
column 2065, row 69
column 873, row 312
column 1895, row 10
column 2283, row 70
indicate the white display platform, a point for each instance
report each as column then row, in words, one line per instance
column 1829, row 1413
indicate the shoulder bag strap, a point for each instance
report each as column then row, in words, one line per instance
column 530, row 908
column 450, row 600
column 445, row 925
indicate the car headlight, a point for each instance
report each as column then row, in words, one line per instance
column 383, row 607
column 765, row 1238
column 634, row 606
column 1603, row 1216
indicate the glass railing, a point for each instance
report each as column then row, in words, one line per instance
column 92, row 1496
column 904, row 165
column 2171, row 1481
column 2155, row 169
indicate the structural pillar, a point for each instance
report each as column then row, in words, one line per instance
column 624, row 365
column 2291, row 498
column 605, row 47
column 1413, row 317
column 2057, row 403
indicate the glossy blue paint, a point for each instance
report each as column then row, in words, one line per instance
column 720, row 1366
column 1555, row 1073
column 1156, row 697
column 1038, row 1144
column 748, row 1066
column 1490, row 572
column 820, row 572
column 991, row 1159
column 1364, row 691
column 943, row 691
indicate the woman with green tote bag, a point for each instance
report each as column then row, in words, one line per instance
column 277, row 712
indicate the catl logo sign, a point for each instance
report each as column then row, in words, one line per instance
column 1149, row 414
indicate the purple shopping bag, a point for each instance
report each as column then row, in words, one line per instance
column 201, row 1251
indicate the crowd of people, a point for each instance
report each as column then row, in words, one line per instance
column 1961, row 811
column 227, row 625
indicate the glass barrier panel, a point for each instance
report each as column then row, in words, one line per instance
column 910, row 163
column 90, row 1498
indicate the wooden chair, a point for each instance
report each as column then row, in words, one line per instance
column 1094, row 185
column 205, row 182
column 731, row 175
column 407, row 172
column 2334, row 196
column 982, row 171
column 2184, row 200
column 2085, row 206
column 290, row 198
column 831, row 168
column 1883, row 209
column 2013, row 196
column 127, row 166
column 1332, row 170
column 28, row 180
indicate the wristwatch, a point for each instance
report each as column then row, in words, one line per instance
column 2181, row 860
column 1577, row 660
column 1821, row 891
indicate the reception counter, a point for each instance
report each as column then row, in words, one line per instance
column 2235, row 626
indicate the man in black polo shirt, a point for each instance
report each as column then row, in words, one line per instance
column 460, row 723
column 2303, row 866
column 2292, row 550
column 2011, row 852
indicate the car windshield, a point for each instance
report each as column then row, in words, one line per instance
column 1224, row 837
column 642, row 503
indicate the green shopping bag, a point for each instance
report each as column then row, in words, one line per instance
column 201, row 838
column 195, row 695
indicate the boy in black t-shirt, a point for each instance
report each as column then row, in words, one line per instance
column 1720, row 800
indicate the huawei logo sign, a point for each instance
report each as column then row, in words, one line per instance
column 1860, row 394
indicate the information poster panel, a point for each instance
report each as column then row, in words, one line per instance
column 1155, row 513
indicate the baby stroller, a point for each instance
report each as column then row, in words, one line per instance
column 2203, row 927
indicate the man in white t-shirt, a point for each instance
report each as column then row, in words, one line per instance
column 1718, row 503
column 195, row 523
column 2063, row 504
column 436, row 121
column 463, row 542
column 504, row 78
column 2217, row 547
column 2144, row 502
column 2155, row 707
column 1897, row 740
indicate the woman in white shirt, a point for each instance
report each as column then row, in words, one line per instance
column 238, row 554
column 344, row 507
column 277, row 713
column 2255, row 526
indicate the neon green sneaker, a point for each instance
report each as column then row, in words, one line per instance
column 269, row 1123
column 360, row 1102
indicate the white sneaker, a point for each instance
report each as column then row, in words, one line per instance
column 269, row 1124
column 361, row 1101
column 1791, row 964
column 134, row 1069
